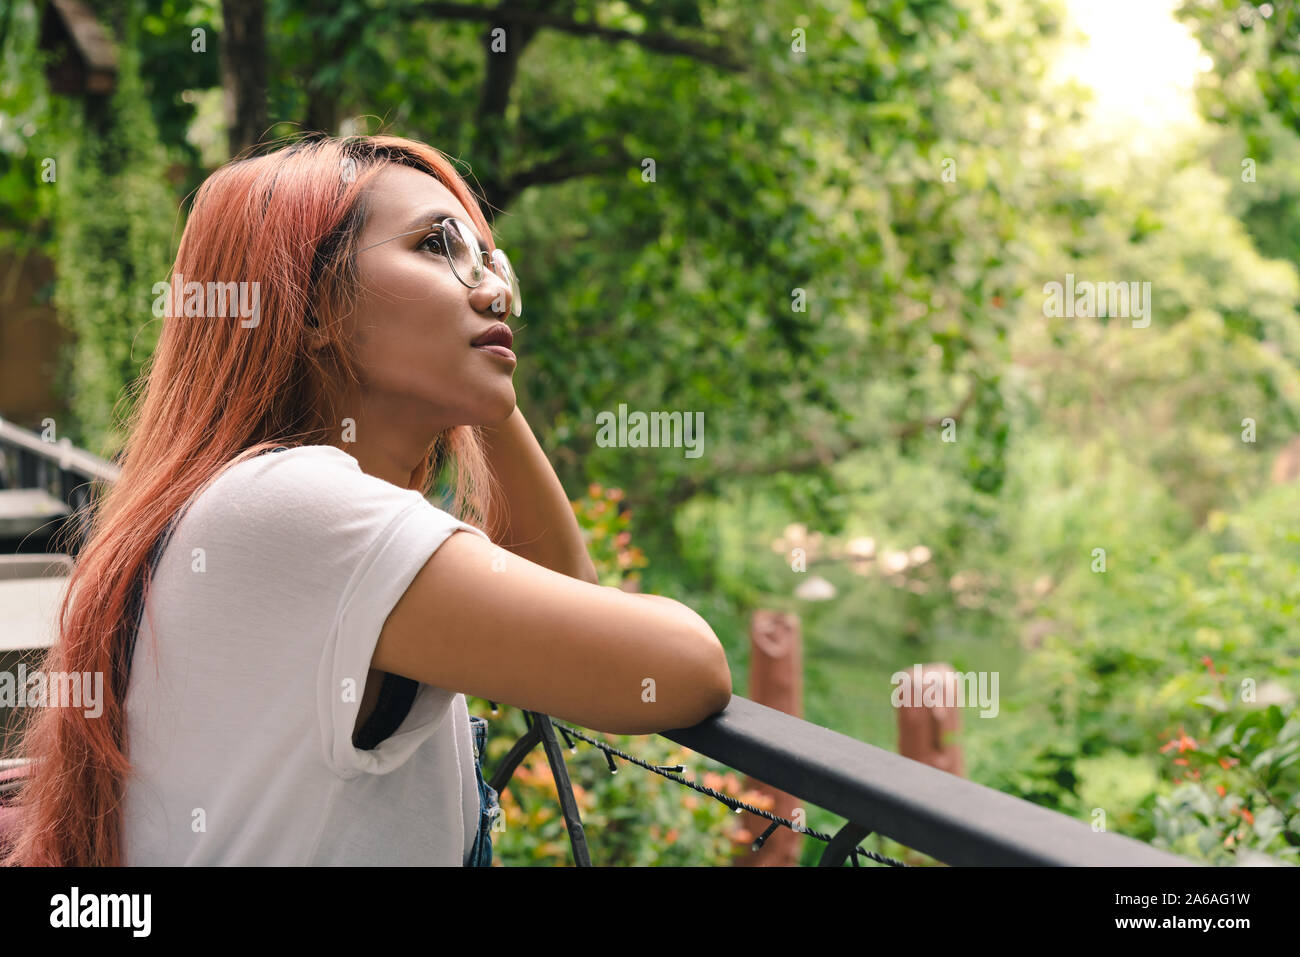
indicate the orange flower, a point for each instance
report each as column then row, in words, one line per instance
column 712, row 779
column 1183, row 743
column 1181, row 761
column 1209, row 663
column 615, row 495
column 691, row 802
column 594, row 490
column 1222, row 790
column 1250, row 818
column 672, row 835
column 1228, row 762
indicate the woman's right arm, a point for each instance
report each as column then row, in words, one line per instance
column 533, row 638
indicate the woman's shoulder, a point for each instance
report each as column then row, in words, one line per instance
column 278, row 492
column 301, row 468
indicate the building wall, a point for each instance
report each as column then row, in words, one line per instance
column 30, row 340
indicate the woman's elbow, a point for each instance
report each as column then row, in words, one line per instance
column 717, row 686
column 724, row 689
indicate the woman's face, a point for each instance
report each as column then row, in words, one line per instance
column 414, row 321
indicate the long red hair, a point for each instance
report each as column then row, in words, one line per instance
column 215, row 393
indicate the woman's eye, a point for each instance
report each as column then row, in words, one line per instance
column 431, row 238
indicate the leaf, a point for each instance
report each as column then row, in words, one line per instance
column 1263, row 759
column 1207, row 841
column 1268, row 824
column 1290, row 731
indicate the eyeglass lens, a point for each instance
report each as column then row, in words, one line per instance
column 466, row 255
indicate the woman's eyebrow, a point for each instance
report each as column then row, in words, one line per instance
column 431, row 216
column 428, row 217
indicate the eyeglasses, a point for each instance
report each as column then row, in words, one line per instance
column 466, row 256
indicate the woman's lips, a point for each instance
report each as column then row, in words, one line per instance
column 496, row 340
column 501, row 351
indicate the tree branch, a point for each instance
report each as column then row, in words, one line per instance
column 243, row 73
column 558, row 169
column 908, row 429
column 687, row 486
column 714, row 55
column 498, row 80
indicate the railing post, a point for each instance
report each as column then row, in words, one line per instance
column 928, row 733
column 776, row 680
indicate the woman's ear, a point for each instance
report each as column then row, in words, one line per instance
column 314, row 338
column 317, row 340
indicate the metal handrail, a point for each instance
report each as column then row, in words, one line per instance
column 954, row 820
column 63, row 453
column 60, row 468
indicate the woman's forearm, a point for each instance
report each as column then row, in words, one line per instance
column 538, row 523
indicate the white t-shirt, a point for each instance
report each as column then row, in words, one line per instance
column 267, row 603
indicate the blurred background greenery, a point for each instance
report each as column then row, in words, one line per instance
column 828, row 227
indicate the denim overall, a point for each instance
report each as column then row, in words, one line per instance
column 481, row 854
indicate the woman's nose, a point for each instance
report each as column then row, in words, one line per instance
column 494, row 296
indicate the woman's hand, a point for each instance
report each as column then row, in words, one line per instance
column 538, row 523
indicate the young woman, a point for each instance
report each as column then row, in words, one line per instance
column 292, row 690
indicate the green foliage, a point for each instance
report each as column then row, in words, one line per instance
column 113, row 212
column 1241, row 790
column 25, row 207
column 1252, row 93
column 1193, row 638
column 90, row 182
column 608, row 534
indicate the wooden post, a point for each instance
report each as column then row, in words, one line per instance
column 928, row 734
column 776, row 680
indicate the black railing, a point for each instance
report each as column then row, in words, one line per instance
column 67, row 473
column 953, row 820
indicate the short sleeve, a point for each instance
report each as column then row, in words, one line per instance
column 324, row 551
column 382, row 577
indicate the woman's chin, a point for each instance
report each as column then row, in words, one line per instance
column 500, row 406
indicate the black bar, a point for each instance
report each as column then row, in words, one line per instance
column 953, row 820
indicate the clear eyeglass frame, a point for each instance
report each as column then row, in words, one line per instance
column 459, row 242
